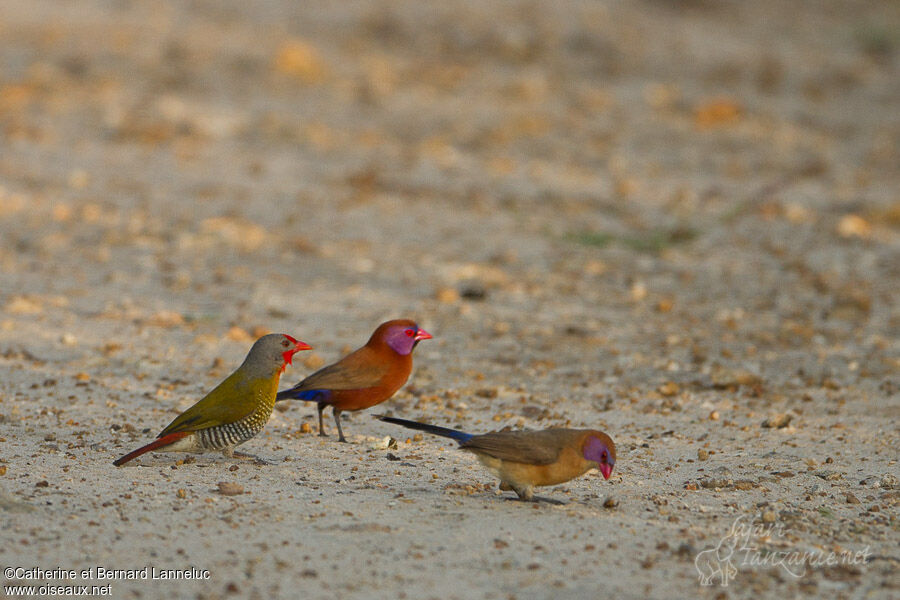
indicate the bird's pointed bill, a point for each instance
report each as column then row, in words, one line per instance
column 289, row 354
column 421, row 334
column 606, row 469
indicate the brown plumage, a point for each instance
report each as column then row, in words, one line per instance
column 365, row 377
column 524, row 460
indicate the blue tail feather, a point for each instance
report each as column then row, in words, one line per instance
column 308, row 395
column 454, row 434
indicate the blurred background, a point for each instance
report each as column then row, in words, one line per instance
column 603, row 170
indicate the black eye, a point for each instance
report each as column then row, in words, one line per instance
column 285, row 343
column 603, row 456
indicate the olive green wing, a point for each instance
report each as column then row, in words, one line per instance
column 230, row 401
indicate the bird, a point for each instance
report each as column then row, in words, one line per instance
column 365, row 377
column 524, row 460
column 236, row 409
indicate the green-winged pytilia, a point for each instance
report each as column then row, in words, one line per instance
column 236, row 410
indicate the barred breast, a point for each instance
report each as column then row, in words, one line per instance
column 229, row 435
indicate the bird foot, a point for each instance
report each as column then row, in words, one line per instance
column 257, row 460
column 536, row 500
column 526, row 493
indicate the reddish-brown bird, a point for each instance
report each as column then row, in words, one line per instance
column 524, row 460
column 363, row 378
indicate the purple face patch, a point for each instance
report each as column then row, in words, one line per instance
column 402, row 339
column 596, row 450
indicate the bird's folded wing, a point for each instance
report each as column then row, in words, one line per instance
column 224, row 404
column 528, row 447
column 356, row 371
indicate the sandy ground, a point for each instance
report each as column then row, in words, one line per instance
column 673, row 221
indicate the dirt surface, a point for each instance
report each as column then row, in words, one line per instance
column 677, row 222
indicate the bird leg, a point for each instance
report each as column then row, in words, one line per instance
column 524, row 492
column 321, row 407
column 337, row 419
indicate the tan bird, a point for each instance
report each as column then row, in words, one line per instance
column 524, row 460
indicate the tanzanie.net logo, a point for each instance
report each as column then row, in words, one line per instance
column 753, row 545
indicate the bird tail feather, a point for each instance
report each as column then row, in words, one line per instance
column 159, row 443
column 308, row 395
column 455, row 434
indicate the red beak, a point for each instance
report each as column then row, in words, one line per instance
column 421, row 334
column 298, row 346
column 606, row 469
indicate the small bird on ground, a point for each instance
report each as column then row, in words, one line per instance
column 524, row 460
column 365, row 377
column 236, row 409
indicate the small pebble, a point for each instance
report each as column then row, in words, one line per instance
column 778, row 421
column 447, row 295
column 670, row 388
column 889, row 482
column 827, row 475
column 228, row 488
column 474, row 292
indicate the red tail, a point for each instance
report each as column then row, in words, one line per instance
column 163, row 441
